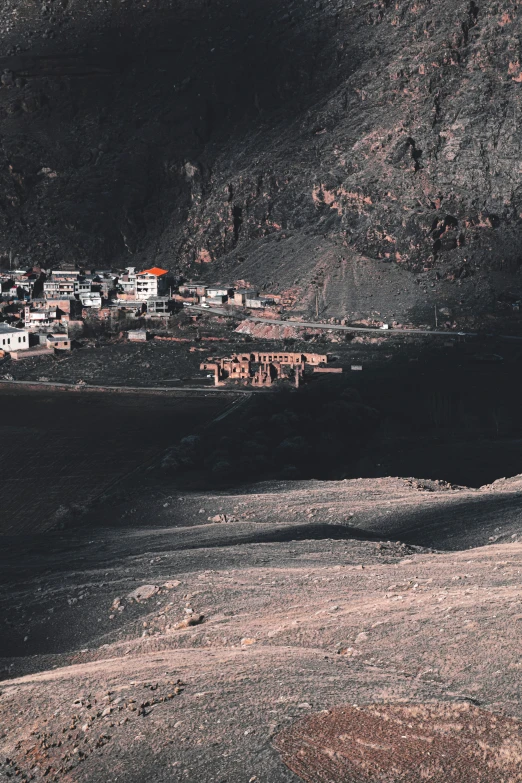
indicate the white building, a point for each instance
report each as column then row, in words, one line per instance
column 214, row 291
column 12, row 339
column 40, row 318
column 138, row 335
column 91, row 299
column 151, row 282
column 22, row 279
column 255, row 301
column 219, row 299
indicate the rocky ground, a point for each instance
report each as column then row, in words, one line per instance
column 180, row 642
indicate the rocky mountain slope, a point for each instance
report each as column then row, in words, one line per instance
column 363, row 155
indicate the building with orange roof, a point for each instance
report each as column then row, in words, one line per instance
column 152, row 282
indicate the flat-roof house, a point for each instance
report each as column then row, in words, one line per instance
column 65, row 274
column 138, row 335
column 22, row 279
column 59, row 287
column 91, row 299
column 67, row 304
column 58, row 341
column 83, row 285
column 12, row 339
column 193, row 289
column 127, row 282
column 242, row 294
column 16, row 289
column 42, row 317
column 158, row 305
column 104, row 284
column 218, row 290
column 256, row 301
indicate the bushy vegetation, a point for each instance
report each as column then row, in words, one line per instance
column 319, row 431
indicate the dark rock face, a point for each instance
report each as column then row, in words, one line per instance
column 275, row 143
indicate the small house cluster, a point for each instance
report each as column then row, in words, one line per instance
column 56, row 302
column 39, row 307
column 218, row 295
column 263, row 369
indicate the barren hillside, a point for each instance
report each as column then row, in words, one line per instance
column 295, row 601
column 362, row 153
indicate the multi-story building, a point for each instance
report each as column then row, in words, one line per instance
column 68, row 305
column 36, row 320
column 127, row 282
column 83, row 285
column 61, row 283
column 22, row 279
column 151, row 282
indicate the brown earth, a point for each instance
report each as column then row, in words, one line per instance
column 436, row 742
column 306, row 604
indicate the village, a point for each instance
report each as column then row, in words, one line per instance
column 40, row 309
column 47, row 312
column 146, row 327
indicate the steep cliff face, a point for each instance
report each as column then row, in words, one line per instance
column 345, row 151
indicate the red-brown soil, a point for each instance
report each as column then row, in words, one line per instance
column 440, row 742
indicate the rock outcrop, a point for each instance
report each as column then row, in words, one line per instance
column 304, row 147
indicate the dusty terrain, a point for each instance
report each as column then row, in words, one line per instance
column 302, row 597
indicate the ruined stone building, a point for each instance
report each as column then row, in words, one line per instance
column 262, row 369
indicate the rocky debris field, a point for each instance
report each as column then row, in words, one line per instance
column 177, row 648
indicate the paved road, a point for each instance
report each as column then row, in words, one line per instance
column 334, row 327
column 339, row 328
column 87, row 387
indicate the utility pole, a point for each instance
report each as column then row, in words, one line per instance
column 436, row 318
column 317, row 303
